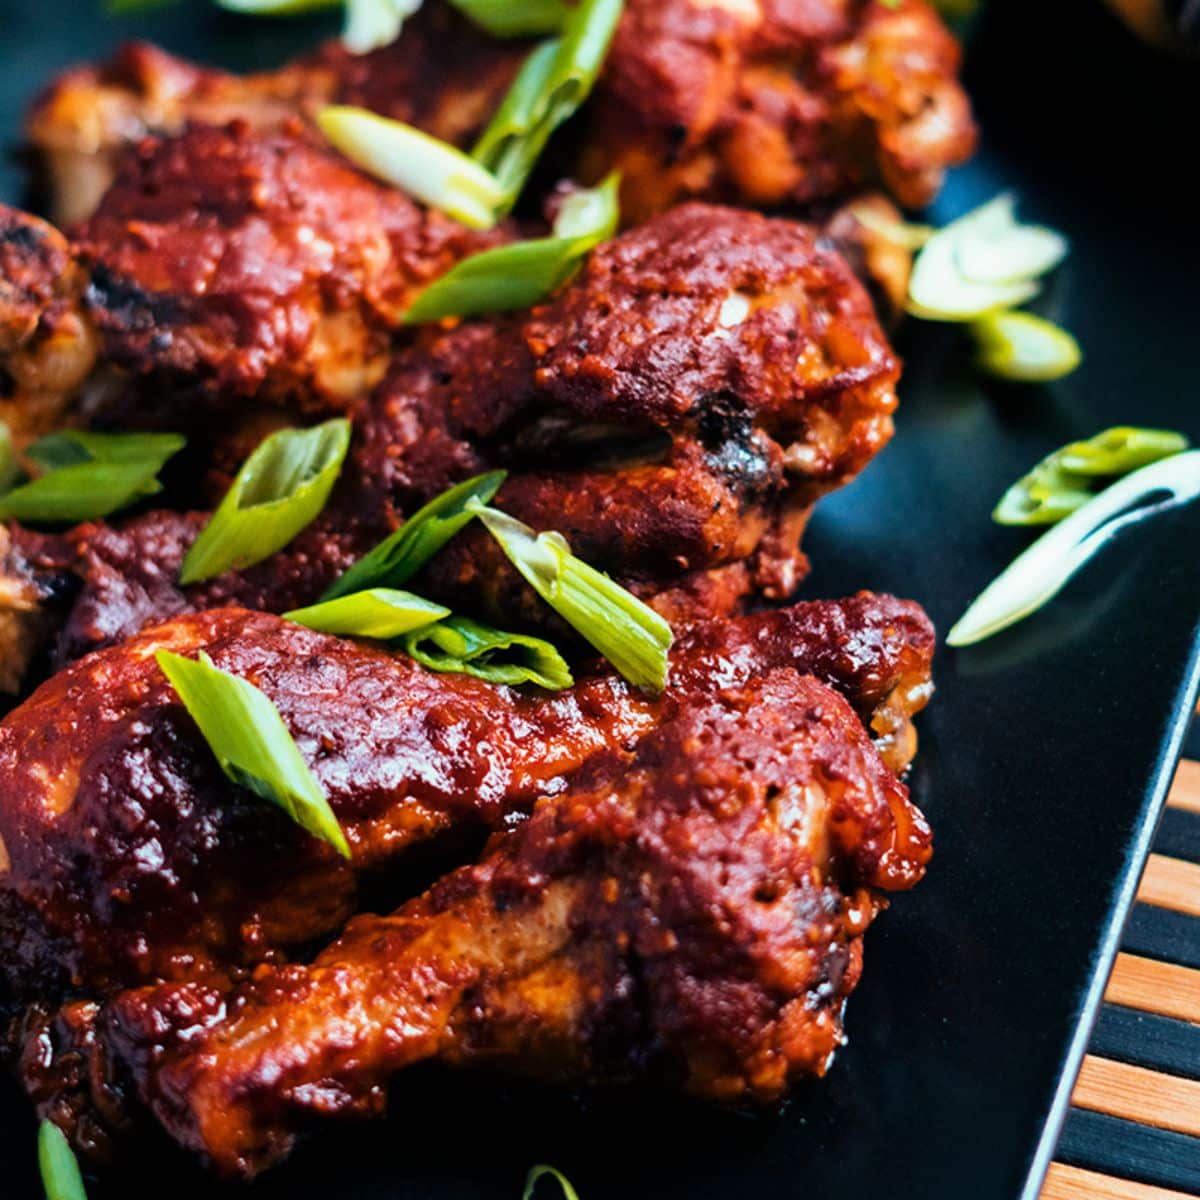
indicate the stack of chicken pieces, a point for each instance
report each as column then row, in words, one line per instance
column 666, row 891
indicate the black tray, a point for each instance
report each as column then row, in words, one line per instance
column 1045, row 756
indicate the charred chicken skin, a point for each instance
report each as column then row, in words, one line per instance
column 128, row 858
column 690, row 918
column 675, row 412
column 761, row 102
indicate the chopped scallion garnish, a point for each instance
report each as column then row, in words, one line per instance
column 374, row 23
column 430, row 170
column 521, row 275
column 380, row 613
column 537, row 1172
column 555, row 80
column 515, row 18
column 1020, row 346
column 402, row 554
column 89, row 475
column 1067, row 479
column 250, row 741
column 61, row 1177
column 981, row 263
column 459, row 645
column 1038, row 575
column 631, row 635
column 10, row 469
column 281, row 488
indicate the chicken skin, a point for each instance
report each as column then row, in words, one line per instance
column 691, row 919
column 761, row 102
column 675, row 411
column 108, row 878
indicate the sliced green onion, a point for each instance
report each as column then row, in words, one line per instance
column 380, row 613
column 1005, row 256
column 1020, row 346
column 74, row 446
column 61, row 1178
column 1039, row 574
column 1065, row 480
column 10, row 470
column 555, row 80
column 374, row 23
column 632, row 636
column 515, row 18
column 89, row 475
column 1119, row 450
column 276, row 8
column 461, row 646
column 249, row 739
column 280, row 489
column 541, row 1169
column 521, row 275
column 402, row 554
column 432, row 171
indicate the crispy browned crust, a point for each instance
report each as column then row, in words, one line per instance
column 127, row 856
column 47, row 345
column 258, row 264
column 690, row 918
column 771, row 103
column 442, row 76
column 761, row 102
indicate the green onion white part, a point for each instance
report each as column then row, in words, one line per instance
column 1038, row 575
column 940, row 289
column 251, row 743
column 630, row 634
column 1022, row 347
column 280, row 490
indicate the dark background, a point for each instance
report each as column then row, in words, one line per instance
column 1044, row 756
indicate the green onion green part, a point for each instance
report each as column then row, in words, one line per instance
column 515, row 18
column 402, row 554
column 1038, row 575
column 250, row 741
column 1066, row 480
column 281, row 488
column 554, row 82
column 380, row 613
column 89, row 475
column 61, row 1178
column 1020, row 346
column 430, row 170
column 525, row 273
column 10, row 469
column 531, row 1181
column 632, row 636
column 461, row 646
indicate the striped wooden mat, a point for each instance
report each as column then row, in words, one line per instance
column 1134, row 1128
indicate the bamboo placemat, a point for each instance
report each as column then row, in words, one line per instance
column 1134, row 1128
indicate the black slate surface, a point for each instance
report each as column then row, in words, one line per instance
column 1045, row 756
